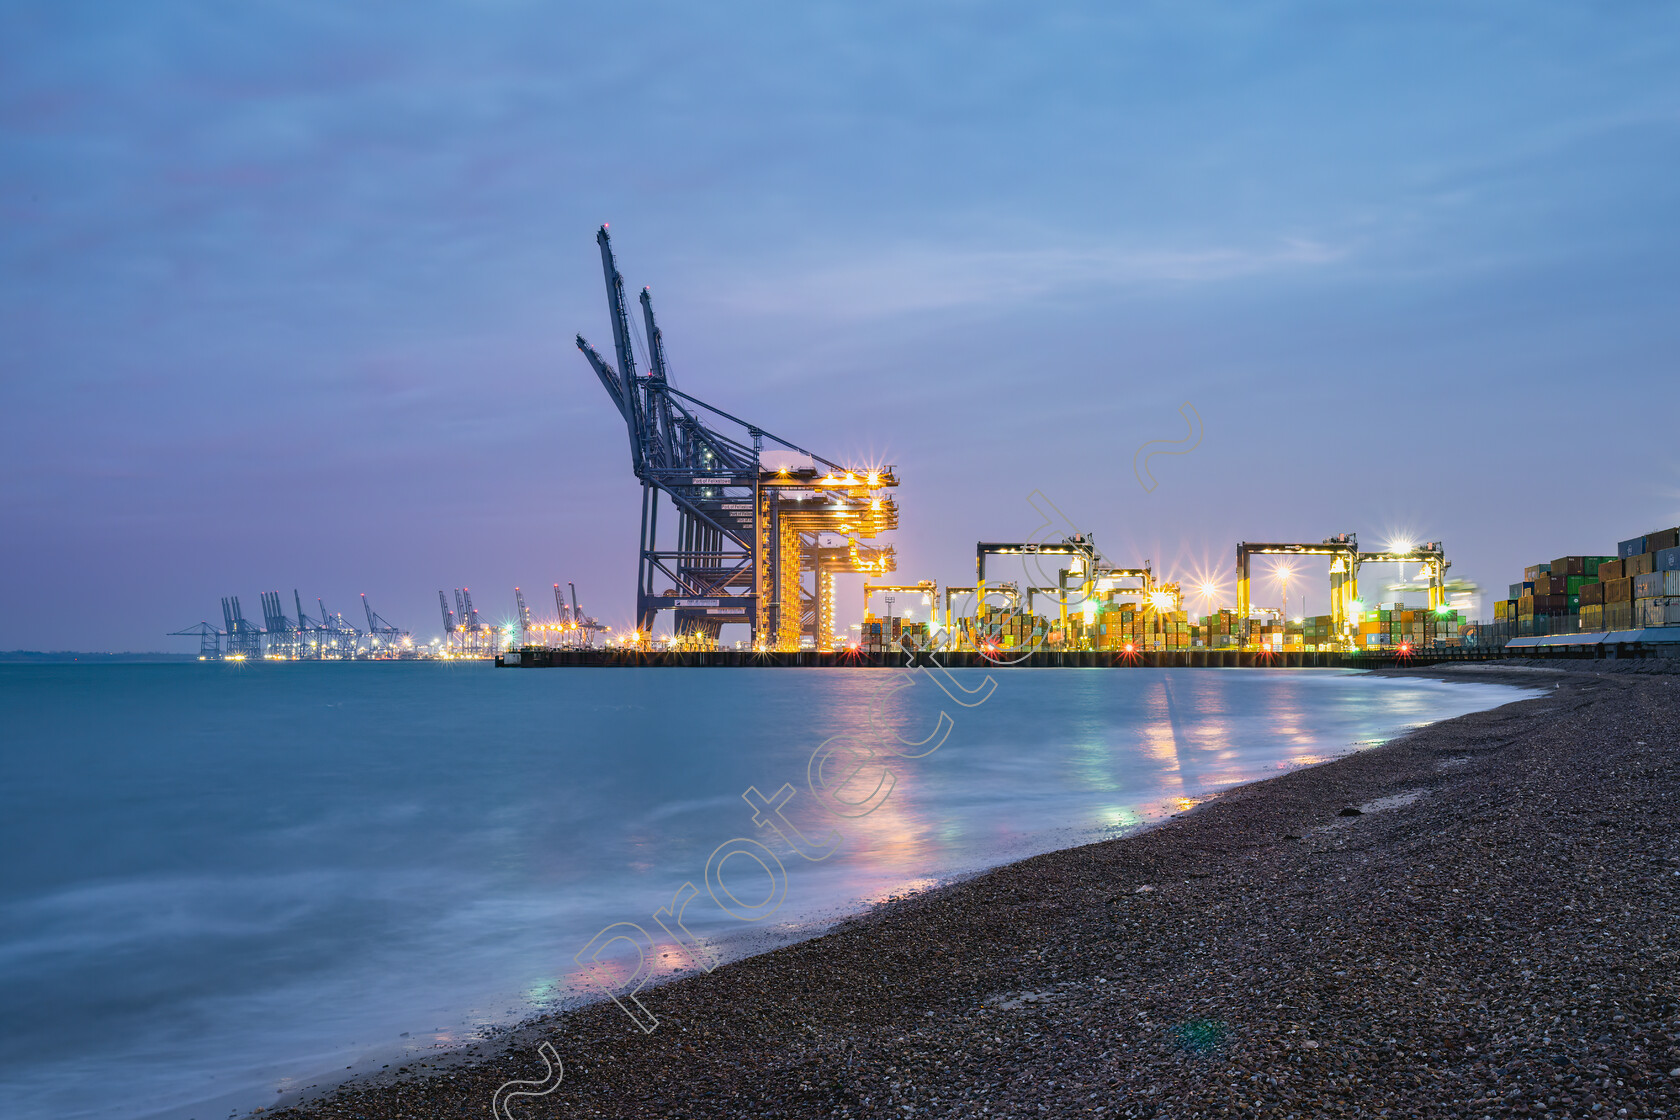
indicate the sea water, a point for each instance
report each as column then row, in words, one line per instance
column 222, row 882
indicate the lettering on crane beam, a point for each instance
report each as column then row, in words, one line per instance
column 727, row 610
column 697, row 602
column 736, row 505
column 713, row 482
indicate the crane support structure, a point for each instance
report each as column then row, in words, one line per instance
column 1343, row 551
column 1345, row 562
column 524, row 616
column 244, row 640
column 379, row 630
column 1080, row 546
column 756, row 543
column 209, row 640
column 1429, row 555
column 926, row 588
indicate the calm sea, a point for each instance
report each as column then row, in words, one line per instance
column 224, row 882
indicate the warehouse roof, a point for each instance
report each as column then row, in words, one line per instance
column 1649, row 635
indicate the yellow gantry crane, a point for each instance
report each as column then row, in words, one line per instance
column 1345, row 562
column 1343, row 551
column 795, row 507
column 1085, row 562
column 926, row 588
column 1429, row 555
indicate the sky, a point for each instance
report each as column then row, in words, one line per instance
column 288, row 291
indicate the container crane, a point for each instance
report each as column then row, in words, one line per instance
column 209, row 640
column 341, row 638
column 379, row 628
column 1429, row 556
column 524, row 616
column 1343, row 551
column 745, row 534
column 586, row 626
column 243, row 639
column 283, row 634
column 1079, row 545
column 467, row 634
column 312, row 635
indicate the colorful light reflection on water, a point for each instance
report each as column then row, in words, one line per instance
column 241, row 878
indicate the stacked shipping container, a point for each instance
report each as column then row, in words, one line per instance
column 1641, row 586
column 1598, row 593
column 1393, row 625
column 885, row 635
column 1129, row 625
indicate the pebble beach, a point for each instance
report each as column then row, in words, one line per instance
column 1476, row 920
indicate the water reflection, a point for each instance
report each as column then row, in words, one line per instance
column 412, row 885
column 1051, row 760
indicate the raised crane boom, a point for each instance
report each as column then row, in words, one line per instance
column 448, row 617
column 747, row 535
column 209, row 639
column 621, row 345
column 378, row 627
column 303, row 620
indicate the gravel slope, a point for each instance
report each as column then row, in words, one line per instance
column 1494, row 935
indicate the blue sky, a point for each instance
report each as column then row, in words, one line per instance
column 288, row 291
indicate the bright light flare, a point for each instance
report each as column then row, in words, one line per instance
column 1211, row 588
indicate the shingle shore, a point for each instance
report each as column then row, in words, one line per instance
column 1494, row 935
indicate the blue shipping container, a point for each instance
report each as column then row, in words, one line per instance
column 1668, row 560
column 1630, row 548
